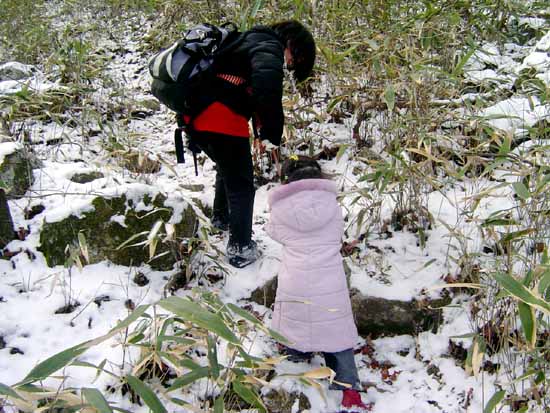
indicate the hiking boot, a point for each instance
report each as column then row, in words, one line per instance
column 240, row 257
column 352, row 403
column 219, row 223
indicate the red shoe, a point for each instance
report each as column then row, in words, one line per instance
column 352, row 403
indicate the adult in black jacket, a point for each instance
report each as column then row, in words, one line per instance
column 248, row 84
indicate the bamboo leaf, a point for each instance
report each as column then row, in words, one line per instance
column 458, row 69
column 498, row 221
column 520, row 292
column 189, row 378
column 389, row 97
column 528, row 323
column 478, row 352
column 544, row 282
column 467, row 335
column 183, row 403
column 53, row 363
column 219, row 406
column 427, row 264
column 193, row 312
column 493, row 401
column 152, row 247
column 521, row 190
column 8, row 391
column 67, row 356
column 83, row 246
column 517, row 234
column 179, row 340
column 96, row 399
column 244, row 314
column 319, row 373
column 426, row 155
column 248, row 395
column 341, row 151
column 148, row 396
column 133, row 316
column 152, row 238
column 506, row 146
column 213, row 357
column 170, row 230
column 132, row 238
column 257, row 5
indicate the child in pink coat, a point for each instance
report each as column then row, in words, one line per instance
column 312, row 307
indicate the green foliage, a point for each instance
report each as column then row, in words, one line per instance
column 25, row 31
column 170, row 345
column 96, row 400
column 148, row 396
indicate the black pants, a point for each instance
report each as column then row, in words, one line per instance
column 234, row 196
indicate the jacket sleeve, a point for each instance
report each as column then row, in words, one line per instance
column 274, row 228
column 266, row 60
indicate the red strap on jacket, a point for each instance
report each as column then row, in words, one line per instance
column 236, row 80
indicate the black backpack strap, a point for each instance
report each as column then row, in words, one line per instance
column 186, row 128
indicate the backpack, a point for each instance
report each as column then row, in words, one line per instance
column 179, row 70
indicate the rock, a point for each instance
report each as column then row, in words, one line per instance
column 141, row 163
column 369, row 154
column 279, row 401
column 193, row 187
column 15, row 71
column 149, row 103
column 68, row 308
column 265, row 295
column 377, row 316
column 141, row 280
column 144, row 108
column 176, row 281
column 86, row 177
column 2, row 343
column 104, row 235
column 104, row 298
column 33, row 211
column 16, row 165
column 7, row 232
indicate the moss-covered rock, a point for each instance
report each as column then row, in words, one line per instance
column 376, row 316
column 280, row 401
column 112, row 222
column 6, row 223
column 16, row 169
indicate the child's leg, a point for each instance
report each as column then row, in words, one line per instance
column 294, row 355
column 343, row 364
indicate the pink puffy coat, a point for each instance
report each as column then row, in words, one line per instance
column 312, row 306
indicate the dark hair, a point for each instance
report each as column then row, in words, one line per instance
column 301, row 44
column 300, row 167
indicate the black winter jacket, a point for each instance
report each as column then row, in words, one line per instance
column 258, row 57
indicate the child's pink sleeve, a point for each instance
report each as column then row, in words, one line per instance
column 273, row 227
column 271, row 230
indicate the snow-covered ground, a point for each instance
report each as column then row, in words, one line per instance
column 400, row 374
